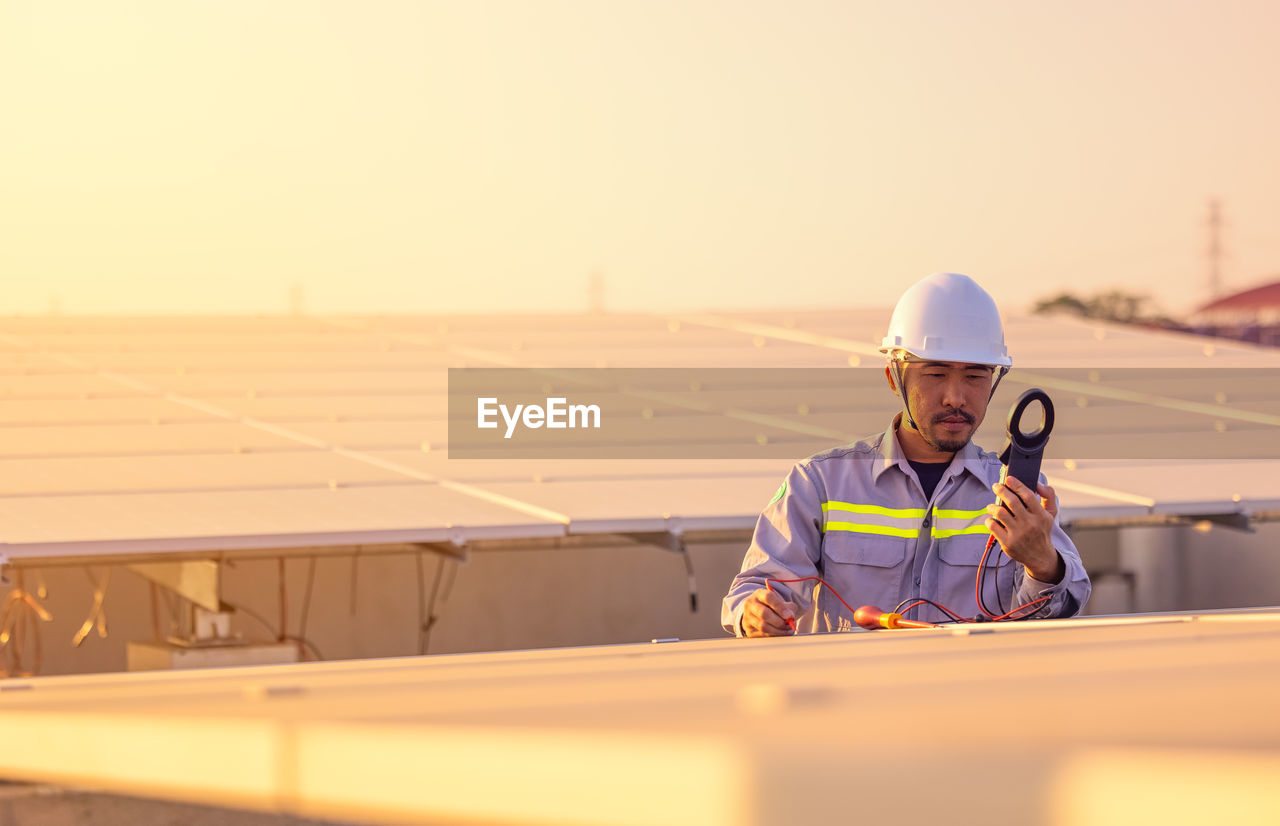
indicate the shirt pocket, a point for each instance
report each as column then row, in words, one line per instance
column 866, row 569
column 960, row 556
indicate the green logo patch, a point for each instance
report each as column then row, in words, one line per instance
column 782, row 491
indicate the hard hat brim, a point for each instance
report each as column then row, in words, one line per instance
column 958, row 355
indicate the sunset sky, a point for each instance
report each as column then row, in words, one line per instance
column 203, row 157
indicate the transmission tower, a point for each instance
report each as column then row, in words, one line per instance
column 1215, row 248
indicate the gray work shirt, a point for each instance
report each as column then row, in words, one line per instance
column 857, row 517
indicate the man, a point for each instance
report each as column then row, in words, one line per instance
column 907, row 513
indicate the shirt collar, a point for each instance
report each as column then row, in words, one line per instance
column 967, row 458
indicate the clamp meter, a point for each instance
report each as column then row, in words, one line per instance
column 1023, row 451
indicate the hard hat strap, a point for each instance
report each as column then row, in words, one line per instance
column 902, row 390
column 1001, row 372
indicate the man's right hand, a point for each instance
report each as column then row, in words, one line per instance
column 765, row 614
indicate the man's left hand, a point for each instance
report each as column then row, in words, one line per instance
column 1022, row 522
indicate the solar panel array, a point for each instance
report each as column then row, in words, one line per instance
column 1066, row 722
column 126, row 436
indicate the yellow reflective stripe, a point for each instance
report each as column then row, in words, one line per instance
column 941, row 513
column 946, row 522
column 877, row 529
column 849, row 507
column 953, row 522
column 874, row 519
column 943, row 533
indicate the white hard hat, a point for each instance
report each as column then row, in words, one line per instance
column 947, row 317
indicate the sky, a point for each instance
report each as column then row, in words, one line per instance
column 379, row 157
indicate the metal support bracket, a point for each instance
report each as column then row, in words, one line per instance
column 196, row 580
column 671, row 540
column 455, row 549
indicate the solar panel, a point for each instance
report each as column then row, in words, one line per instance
column 813, row 727
column 137, row 435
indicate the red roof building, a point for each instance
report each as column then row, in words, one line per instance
column 1250, row 315
column 1256, row 305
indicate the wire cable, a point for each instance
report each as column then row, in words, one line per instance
column 355, row 572
column 977, row 582
column 432, row 617
column 911, row 602
column 155, row 613
column 422, row 603
column 97, row 610
column 999, row 594
column 284, row 602
column 303, row 644
column 17, row 617
column 448, row 583
column 1033, row 603
column 899, row 609
column 693, row 582
column 818, row 579
column 306, row 597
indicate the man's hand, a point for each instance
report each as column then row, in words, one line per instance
column 765, row 614
column 1022, row 522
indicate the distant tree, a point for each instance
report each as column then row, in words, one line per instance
column 1061, row 303
column 1119, row 306
column 1112, row 305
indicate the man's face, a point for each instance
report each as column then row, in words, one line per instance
column 948, row 400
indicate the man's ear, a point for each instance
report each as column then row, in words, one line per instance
column 888, row 376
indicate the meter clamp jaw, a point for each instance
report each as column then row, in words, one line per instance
column 1023, row 451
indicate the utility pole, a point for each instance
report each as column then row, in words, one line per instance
column 1215, row 248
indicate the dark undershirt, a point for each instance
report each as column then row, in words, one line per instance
column 930, row 474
